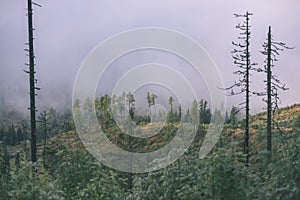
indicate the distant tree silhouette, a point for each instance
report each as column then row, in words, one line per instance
column 204, row 112
column 151, row 102
column 130, row 101
column 179, row 113
column 233, row 116
column 194, row 114
column 170, row 117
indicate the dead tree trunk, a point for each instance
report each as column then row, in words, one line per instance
column 246, row 145
column 269, row 94
column 32, row 80
column 32, row 85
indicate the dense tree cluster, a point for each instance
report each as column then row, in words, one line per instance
column 12, row 135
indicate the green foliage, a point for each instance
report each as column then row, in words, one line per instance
column 296, row 123
column 80, row 176
column 220, row 176
column 19, row 179
column 233, row 119
column 12, row 135
column 4, row 171
column 285, row 177
column 31, row 182
column 205, row 113
column 130, row 101
column 172, row 116
column 228, row 176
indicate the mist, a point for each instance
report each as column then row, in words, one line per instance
column 67, row 31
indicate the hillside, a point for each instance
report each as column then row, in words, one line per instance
column 283, row 122
column 285, row 119
column 65, row 170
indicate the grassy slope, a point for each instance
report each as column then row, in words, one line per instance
column 257, row 126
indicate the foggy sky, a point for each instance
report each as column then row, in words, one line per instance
column 67, row 30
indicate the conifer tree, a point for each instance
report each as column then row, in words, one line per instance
column 273, row 84
column 241, row 56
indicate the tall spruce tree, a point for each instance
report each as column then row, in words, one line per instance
column 241, row 56
column 273, row 84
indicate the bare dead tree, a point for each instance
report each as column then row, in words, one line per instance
column 32, row 80
column 241, row 56
column 271, row 49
